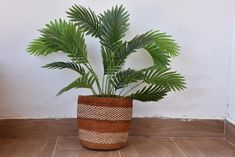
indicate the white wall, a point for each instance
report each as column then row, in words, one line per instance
column 202, row 28
column 231, row 105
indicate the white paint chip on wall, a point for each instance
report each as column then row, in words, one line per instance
column 203, row 29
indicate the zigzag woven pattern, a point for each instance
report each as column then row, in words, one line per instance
column 102, row 138
column 104, row 113
column 104, row 122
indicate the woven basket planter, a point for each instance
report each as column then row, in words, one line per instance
column 104, row 122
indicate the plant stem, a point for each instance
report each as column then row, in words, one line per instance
column 103, row 84
column 93, row 91
column 121, row 91
column 106, row 86
column 109, row 86
column 89, row 67
column 133, row 88
column 114, row 91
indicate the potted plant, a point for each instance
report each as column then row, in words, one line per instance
column 104, row 117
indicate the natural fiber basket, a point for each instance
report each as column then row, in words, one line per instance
column 104, row 122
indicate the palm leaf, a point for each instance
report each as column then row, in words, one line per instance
column 123, row 78
column 165, row 78
column 66, row 65
column 140, row 41
column 41, row 46
column 114, row 24
column 110, row 27
column 113, row 60
column 85, row 81
column 149, row 93
column 60, row 36
column 110, row 62
column 165, row 44
column 160, row 59
column 159, row 45
column 86, row 19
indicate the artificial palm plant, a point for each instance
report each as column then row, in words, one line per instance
column 110, row 27
column 104, row 118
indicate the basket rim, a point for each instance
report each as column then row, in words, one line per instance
column 105, row 102
column 103, row 98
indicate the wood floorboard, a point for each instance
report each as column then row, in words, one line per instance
column 37, row 128
column 137, row 147
column 70, row 147
column 147, row 147
column 27, row 147
column 69, row 143
column 230, row 132
column 202, row 147
column 154, row 127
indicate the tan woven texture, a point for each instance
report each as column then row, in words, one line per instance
column 91, row 145
column 102, row 138
column 104, row 125
column 104, row 113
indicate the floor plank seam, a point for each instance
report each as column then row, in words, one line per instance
column 190, row 137
column 53, row 153
column 119, row 153
column 162, row 137
column 172, row 140
column 230, row 142
column 225, row 125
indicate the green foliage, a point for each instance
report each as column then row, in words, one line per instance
column 61, row 36
column 85, row 81
column 165, row 44
column 110, row 62
column 128, row 47
column 114, row 24
column 150, row 93
column 165, row 78
column 66, row 65
column 124, row 78
column 86, row 19
column 41, row 46
column 110, row 27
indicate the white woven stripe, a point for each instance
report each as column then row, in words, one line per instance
column 102, row 138
column 104, row 113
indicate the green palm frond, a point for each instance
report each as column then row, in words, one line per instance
column 66, row 65
column 160, row 59
column 85, row 81
column 165, row 78
column 150, row 93
column 114, row 24
column 110, row 62
column 139, row 41
column 41, row 46
column 61, row 36
column 110, row 27
column 113, row 61
column 123, row 78
column 86, row 19
column 159, row 45
column 165, row 44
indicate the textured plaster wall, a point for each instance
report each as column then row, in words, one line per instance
column 231, row 105
column 203, row 28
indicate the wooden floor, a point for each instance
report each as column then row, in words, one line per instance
column 137, row 147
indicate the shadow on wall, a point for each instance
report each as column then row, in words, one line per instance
column 3, row 89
